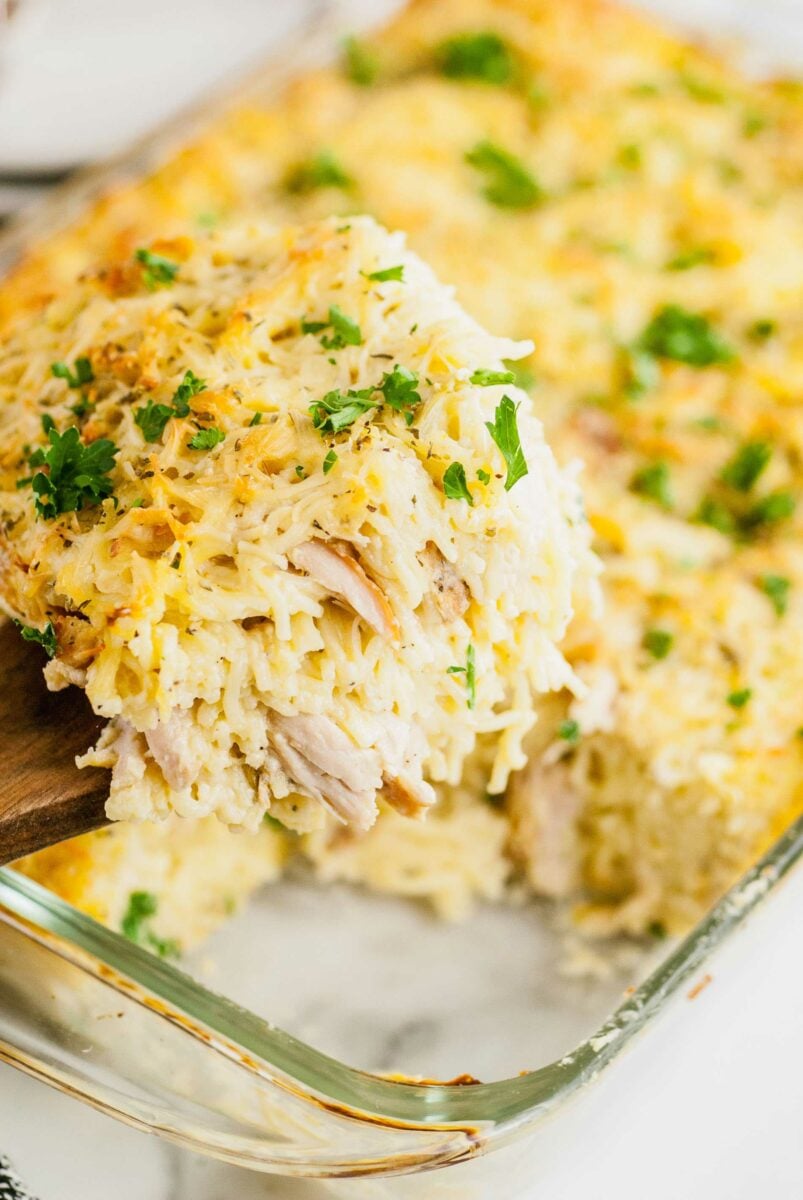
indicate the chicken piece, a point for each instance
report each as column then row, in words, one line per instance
column 168, row 742
column 343, row 575
column 451, row 595
column 544, row 809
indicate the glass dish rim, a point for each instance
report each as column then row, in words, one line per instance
column 504, row 1108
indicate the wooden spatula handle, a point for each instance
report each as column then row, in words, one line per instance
column 44, row 798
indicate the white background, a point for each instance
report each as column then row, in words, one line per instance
column 709, row 1104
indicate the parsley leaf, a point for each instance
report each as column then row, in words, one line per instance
column 777, row 588
column 360, row 63
column 399, row 388
column 157, row 271
column 395, row 274
column 206, row 439
column 716, row 514
column 470, row 672
column 345, row 332
column 685, row 337
column 152, row 418
column 509, row 184
column 481, row 56
column 329, row 462
column 569, row 731
column 337, row 410
column 321, row 171
column 504, row 431
column 76, row 476
column 746, row 465
column 772, row 508
column 485, row 377
column 641, row 371
column 256, row 419
column 686, row 259
column 135, row 925
column 761, row 330
column 652, row 482
column 44, row 637
column 483, row 476
column 79, row 377
column 454, row 483
column 739, row 698
column 658, row 642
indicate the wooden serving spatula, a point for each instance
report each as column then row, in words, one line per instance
column 44, row 798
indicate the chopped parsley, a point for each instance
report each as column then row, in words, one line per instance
column 480, row 56
column 504, row 431
column 300, row 472
column 508, row 184
column 152, row 418
column 772, row 508
column 569, row 731
column 747, row 465
column 776, row 588
column 359, row 62
column 716, row 514
column 80, row 376
column 454, row 483
column 256, row 419
column 135, row 925
column 658, row 642
column 761, row 330
column 400, row 390
column 321, row 171
column 387, row 275
column 329, row 462
column 345, row 332
column 483, row 476
column 485, row 377
column 44, row 637
column 701, row 89
column 641, row 371
column 470, row 672
column 687, row 259
column 523, row 375
column 684, row 336
column 157, row 271
column 77, row 475
column 739, row 698
column 337, row 410
column 206, row 439
column 653, row 483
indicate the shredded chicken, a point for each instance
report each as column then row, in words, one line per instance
column 544, row 811
column 168, row 742
column 344, row 576
column 451, row 594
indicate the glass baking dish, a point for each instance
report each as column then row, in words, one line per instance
column 511, row 996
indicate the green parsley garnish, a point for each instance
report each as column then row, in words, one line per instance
column 739, row 698
column 142, row 907
column 76, row 475
column 256, row 419
column 454, row 483
column 653, row 483
column 388, row 275
column 685, row 337
column 483, row 476
column 469, row 670
column 152, row 418
column 776, row 588
column 329, row 462
column 775, row 507
column 658, row 642
column 504, row 431
column 523, row 375
column 81, row 374
column 485, row 377
column 321, row 171
column 509, row 184
column 300, row 472
column 337, row 410
column 569, row 731
column 206, row 439
column 400, row 390
column 641, row 371
column 690, row 258
column 701, row 89
column 716, row 514
column 345, row 332
column 82, row 406
column 481, row 56
column 44, row 637
column 761, row 329
column 747, row 465
column 754, row 123
column 157, row 271
column 360, row 63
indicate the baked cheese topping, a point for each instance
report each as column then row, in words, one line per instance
column 274, row 500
